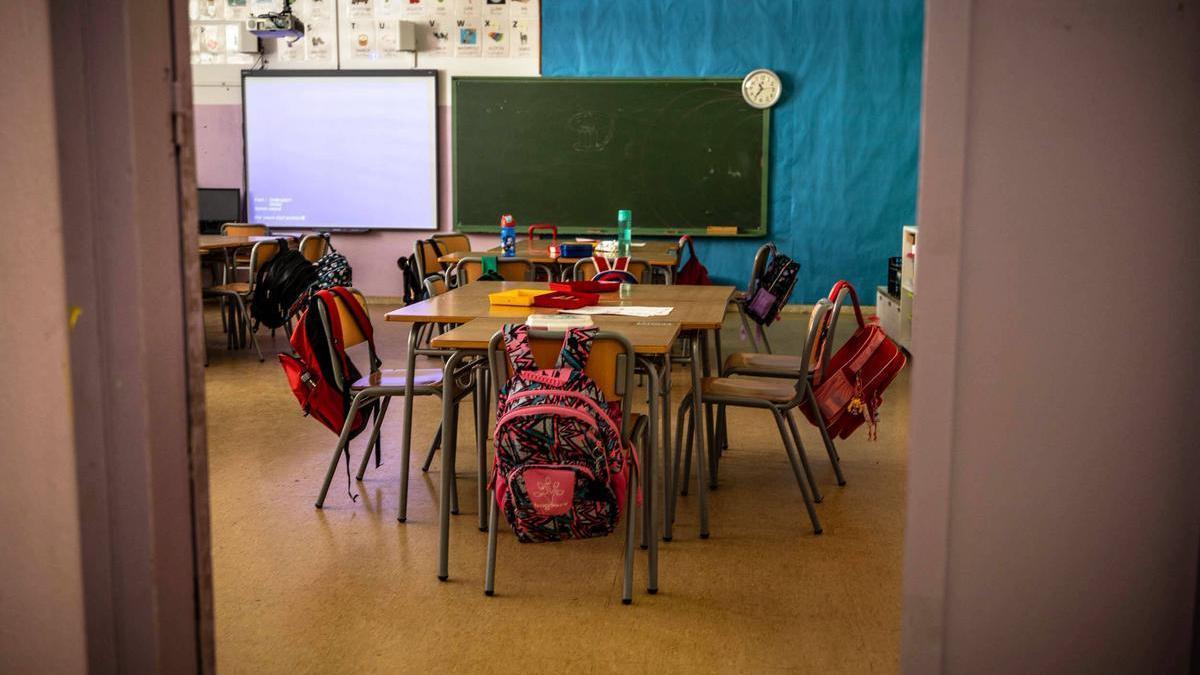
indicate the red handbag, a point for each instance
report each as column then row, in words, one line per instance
column 851, row 389
column 693, row 272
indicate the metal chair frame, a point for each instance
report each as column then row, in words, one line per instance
column 647, row 275
column 362, row 397
column 498, row 367
column 789, row 433
column 244, row 320
column 322, row 237
column 458, row 272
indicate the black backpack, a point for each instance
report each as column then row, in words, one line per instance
column 773, row 290
column 281, row 287
column 412, row 285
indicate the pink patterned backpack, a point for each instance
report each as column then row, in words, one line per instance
column 561, row 470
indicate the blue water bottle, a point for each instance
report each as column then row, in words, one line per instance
column 508, row 235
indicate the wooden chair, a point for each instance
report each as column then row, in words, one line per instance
column 585, row 269
column 238, row 293
column 611, row 366
column 243, row 230
column 812, row 366
column 434, row 286
column 427, row 252
column 238, row 260
column 780, row 396
column 741, row 298
column 470, row 268
column 453, row 242
column 313, row 246
column 378, row 385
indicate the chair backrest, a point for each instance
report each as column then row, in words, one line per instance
column 454, row 242
column 814, row 339
column 835, row 311
column 470, row 268
column 243, row 230
column 351, row 335
column 610, row 364
column 761, row 256
column 585, row 269
column 435, row 286
column 313, row 246
column 260, row 253
column 427, row 252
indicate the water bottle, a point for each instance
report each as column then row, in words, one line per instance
column 624, row 233
column 508, row 235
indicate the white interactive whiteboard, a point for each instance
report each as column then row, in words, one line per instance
column 341, row 150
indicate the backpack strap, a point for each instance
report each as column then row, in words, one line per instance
column 359, row 314
column 833, row 294
column 516, row 345
column 600, row 263
column 576, row 348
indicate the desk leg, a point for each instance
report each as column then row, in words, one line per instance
column 667, row 467
column 650, row 531
column 449, row 439
column 708, row 418
column 482, row 415
column 698, row 430
column 414, row 335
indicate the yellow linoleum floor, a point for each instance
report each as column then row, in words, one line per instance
column 348, row 589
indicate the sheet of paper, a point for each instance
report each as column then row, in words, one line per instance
column 620, row 311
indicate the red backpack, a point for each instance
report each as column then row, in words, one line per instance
column 852, row 388
column 693, row 272
column 310, row 372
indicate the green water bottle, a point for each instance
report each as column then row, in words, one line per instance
column 624, row 233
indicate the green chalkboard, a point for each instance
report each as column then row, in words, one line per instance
column 682, row 154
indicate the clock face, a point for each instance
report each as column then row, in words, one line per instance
column 762, row 88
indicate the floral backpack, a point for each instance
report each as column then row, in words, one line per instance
column 561, row 470
column 334, row 270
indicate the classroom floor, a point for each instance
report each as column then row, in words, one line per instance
column 349, row 589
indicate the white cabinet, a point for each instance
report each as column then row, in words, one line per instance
column 895, row 313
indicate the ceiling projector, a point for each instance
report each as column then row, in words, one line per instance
column 277, row 24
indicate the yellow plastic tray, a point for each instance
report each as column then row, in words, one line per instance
column 521, row 297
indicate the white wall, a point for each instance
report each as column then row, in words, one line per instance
column 1053, row 515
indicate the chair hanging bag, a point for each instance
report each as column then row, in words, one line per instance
column 851, row 391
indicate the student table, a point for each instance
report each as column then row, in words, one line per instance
column 697, row 310
column 219, row 242
column 657, row 252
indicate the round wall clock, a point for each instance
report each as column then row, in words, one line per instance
column 761, row 88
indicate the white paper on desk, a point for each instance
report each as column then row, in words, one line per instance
column 620, row 311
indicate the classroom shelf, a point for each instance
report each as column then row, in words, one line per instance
column 895, row 313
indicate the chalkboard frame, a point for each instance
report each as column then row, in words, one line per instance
column 764, row 207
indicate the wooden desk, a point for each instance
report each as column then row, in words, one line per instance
column 696, row 309
column 648, row 336
column 693, row 307
column 218, row 242
column 657, row 252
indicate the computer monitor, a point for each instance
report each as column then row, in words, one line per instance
column 217, row 207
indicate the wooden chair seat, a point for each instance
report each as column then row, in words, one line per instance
column 764, row 388
column 398, row 378
column 239, row 287
column 760, row 361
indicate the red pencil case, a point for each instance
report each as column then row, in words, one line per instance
column 566, row 300
column 585, row 286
